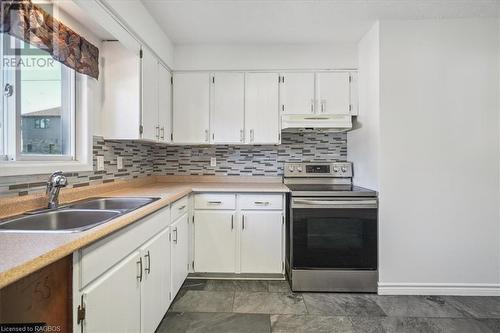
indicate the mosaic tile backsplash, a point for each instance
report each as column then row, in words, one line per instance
column 251, row 160
column 143, row 159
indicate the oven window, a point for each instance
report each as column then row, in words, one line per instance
column 334, row 238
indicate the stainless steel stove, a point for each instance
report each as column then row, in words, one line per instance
column 332, row 232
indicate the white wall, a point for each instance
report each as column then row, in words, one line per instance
column 439, row 157
column 136, row 16
column 265, row 56
column 363, row 141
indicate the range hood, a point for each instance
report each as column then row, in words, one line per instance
column 332, row 123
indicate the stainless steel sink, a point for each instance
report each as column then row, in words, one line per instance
column 117, row 203
column 64, row 220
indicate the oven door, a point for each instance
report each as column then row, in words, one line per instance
column 334, row 233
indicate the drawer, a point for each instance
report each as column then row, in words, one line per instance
column 261, row 201
column 179, row 208
column 215, row 201
column 100, row 256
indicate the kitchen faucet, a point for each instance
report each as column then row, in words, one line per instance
column 54, row 184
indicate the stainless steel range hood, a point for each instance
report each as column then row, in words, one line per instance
column 331, row 123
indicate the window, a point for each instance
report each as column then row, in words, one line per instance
column 37, row 121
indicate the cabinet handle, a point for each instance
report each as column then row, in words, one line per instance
column 148, row 268
column 323, row 106
column 215, row 202
column 232, row 222
column 312, row 105
column 175, row 230
column 242, row 135
column 157, row 130
column 140, row 269
column 162, row 131
column 181, row 207
column 265, row 203
column 207, row 136
column 252, row 136
column 242, row 222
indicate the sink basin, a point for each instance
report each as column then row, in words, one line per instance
column 64, row 220
column 116, row 203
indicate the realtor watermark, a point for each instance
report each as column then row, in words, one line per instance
column 28, row 62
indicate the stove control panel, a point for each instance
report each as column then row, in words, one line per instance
column 334, row 169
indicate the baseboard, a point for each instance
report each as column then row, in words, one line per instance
column 444, row 289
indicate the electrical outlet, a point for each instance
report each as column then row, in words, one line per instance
column 100, row 163
column 119, row 162
column 213, row 161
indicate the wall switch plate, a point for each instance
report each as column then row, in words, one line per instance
column 213, row 161
column 100, row 163
column 119, row 162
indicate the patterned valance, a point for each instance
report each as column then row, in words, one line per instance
column 32, row 24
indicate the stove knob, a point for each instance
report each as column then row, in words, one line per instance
column 299, row 169
column 290, row 168
column 335, row 170
column 344, row 169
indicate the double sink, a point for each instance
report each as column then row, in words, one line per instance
column 75, row 217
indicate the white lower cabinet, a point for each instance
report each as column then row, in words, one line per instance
column 179, row 249
column 113, row 302
column 214, row 241
column 239, row 240
column 155, row 286
column 260, row 242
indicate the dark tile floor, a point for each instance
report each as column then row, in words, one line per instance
column 228, row 306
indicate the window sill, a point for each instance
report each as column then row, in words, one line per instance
column 19, row 168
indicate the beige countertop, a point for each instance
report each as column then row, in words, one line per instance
column 25, row 253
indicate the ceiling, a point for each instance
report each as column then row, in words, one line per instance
column 296, row 21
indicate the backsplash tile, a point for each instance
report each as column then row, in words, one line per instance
column 265, row 160
column 146, row 159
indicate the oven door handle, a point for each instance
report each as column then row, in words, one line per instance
column 307, row 203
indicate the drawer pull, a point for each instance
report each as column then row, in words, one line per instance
column 148, row 268
column 243, row 222
column 215, row 202
column 232, row 222
column 265, row 203
column 140, row 269
column 181, row 207
column 175, row 239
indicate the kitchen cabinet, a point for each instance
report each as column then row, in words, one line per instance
column 179, row 250
column 155, row 284
column 214, row 241
column 228, row 91
column 137, row 95
column 261, row 246
column 262, row 108
column 113, row 302
column 238, row 233
column 191, row 108
column 333, row 89
column 297, row 93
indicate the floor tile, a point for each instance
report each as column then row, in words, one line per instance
column 418, row 306
column 309, row 324
column 279, row 287
column 236, row 285
column 272, row 303
column 336, row 304
column 204, row 301
column 193, row 284
column 493, row 324
column 477, row 306
column 193, row 322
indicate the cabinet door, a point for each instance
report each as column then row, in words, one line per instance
column 191, row 107
column 334, row 93
column 262, row 108
column 155, row 288
column 149, row 113
column 297, row 93
column 214, row 241
column 164, row 103
column 228, row 107
column 113, row 302
column 261, row 242
column 180, row 249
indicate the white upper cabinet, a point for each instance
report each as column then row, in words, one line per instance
column 297, row 93
column 164, row 103
column 262, row 108
column 191, row 108
column 228, row 108
column 150, row 128
column 333, row 91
